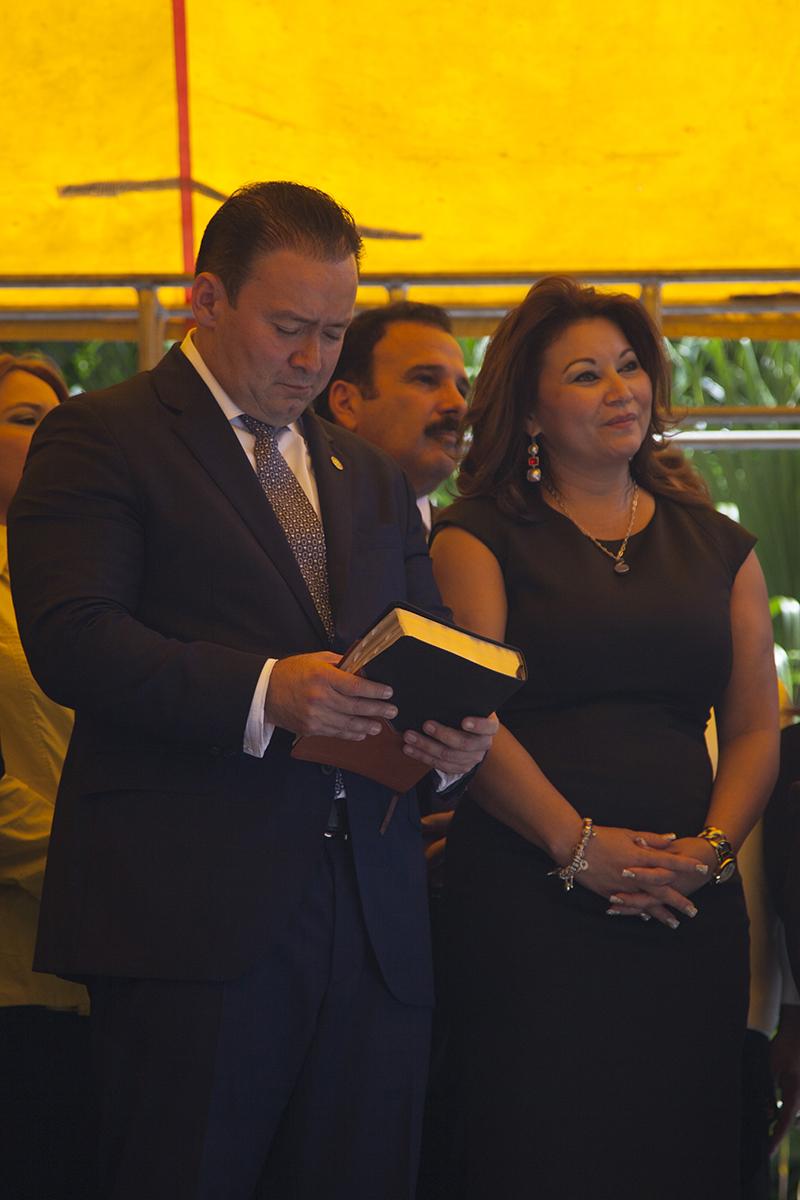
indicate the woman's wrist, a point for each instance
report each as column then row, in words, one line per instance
column 578, row 861
column 561, row 844
column 699, row 849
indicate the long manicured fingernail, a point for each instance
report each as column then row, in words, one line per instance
column 702, row 868
column 645, row 916
column 613, row 912
column 690, row 910
column 616, row 900
column 640, row 841
column 673, row 924
column 626, row 874
column 671, row 836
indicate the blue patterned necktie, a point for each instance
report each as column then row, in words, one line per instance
column 296, row 515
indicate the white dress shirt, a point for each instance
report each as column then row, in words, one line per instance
column 424, row 506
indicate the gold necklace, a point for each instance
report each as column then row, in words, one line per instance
column 620, row 566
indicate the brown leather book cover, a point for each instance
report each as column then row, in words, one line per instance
column 380, row 757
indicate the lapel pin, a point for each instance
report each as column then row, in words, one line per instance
column 337, row 462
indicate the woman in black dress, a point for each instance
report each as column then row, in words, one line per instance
column 596, row 1029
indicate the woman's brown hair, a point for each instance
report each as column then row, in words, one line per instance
column 39, row 365
column 505, row 395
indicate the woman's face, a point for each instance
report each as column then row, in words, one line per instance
column 24, row 401
column 594, row 399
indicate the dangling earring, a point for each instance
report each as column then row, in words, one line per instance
column 534, row 470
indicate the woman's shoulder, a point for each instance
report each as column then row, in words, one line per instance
column 730, row 540
column 506, row 534
column 482, row 517
column 467, row 509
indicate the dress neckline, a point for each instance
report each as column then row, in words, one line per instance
column 556, row 512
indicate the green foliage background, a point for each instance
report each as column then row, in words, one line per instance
column 87, row 365
column 763, row 485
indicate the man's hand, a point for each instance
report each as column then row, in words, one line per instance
column 307, row 694
column 453, row 751
column 785, row 1062
column 434, row 831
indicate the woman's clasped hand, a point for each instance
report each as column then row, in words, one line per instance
column 646, row 874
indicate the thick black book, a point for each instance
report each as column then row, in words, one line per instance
column 437, row 671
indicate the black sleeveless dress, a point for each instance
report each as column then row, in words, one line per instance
column 593, row 1057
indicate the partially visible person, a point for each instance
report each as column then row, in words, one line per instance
column 781, row 903
column 45, row 1112
column 400, row 383
column 771, row 1061
column 593, row 1051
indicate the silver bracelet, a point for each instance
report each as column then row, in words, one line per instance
column 578, row 861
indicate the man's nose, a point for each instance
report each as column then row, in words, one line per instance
column 308, row 355
column 451, row 399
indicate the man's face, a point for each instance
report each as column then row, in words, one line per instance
column 418, row 399
column 274, row 350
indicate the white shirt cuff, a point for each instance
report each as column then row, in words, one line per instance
column 258, row 731
column 446, row 781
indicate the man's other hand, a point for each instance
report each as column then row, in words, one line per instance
column 453, row 751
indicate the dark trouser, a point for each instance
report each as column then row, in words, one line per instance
column 46, row 1114
column 304, row 1079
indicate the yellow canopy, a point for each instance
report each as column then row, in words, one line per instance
column 468, row 139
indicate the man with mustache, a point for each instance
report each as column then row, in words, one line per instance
column 400, row 383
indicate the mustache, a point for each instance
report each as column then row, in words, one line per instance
column 446, row 424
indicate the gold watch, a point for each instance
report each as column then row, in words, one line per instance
column 726, row 859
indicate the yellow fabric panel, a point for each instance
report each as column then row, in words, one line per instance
column 88, row 95
column 579, row 136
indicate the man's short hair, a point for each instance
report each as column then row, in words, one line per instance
column 362, row 336
column 263, row 217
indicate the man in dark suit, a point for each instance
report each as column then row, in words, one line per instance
column 191, row 550
column 400, row 383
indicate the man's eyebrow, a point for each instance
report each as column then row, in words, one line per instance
column 440, row 368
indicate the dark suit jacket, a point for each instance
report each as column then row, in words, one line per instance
column 152, row 580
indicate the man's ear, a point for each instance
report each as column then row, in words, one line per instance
column 345, row 401
column 208, row 294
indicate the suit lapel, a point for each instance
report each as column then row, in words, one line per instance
column 333, row 471
column 205, row 431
